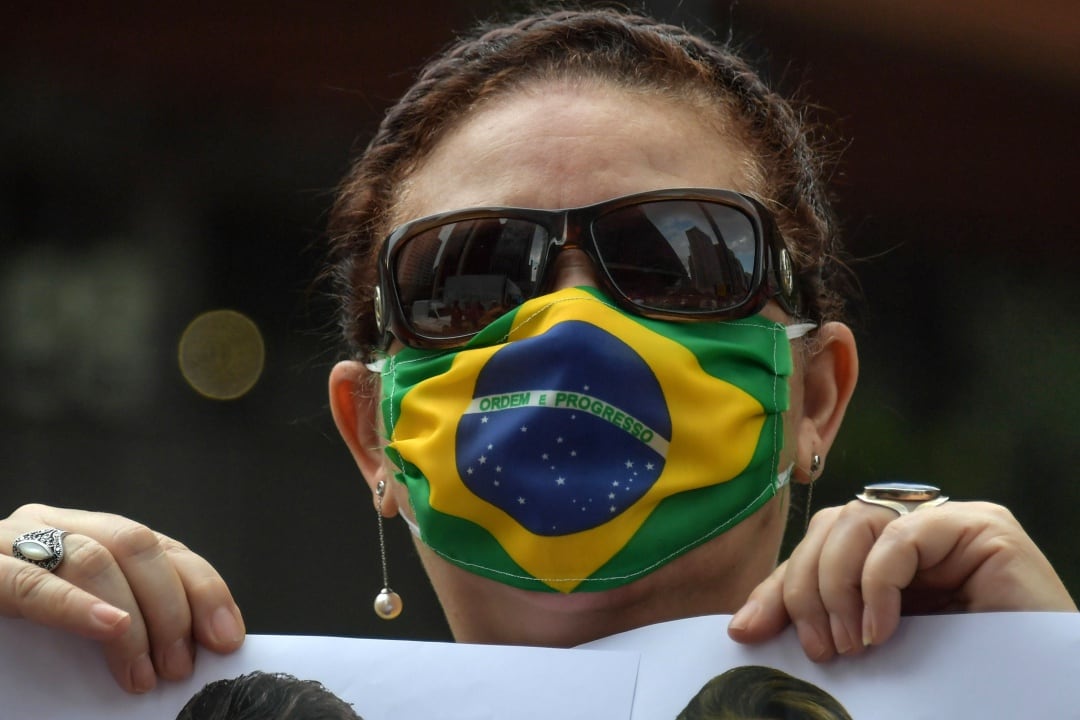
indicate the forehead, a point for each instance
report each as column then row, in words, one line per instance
column 563, row 144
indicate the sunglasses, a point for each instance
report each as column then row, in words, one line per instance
column 676, row 255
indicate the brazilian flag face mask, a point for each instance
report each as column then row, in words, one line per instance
column 570, row 446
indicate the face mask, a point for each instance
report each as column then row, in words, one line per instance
column 572, row 446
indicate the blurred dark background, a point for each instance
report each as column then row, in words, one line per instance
column 160, row 160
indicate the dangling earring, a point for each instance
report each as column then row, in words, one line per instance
column 815, row 465
column 387, row 602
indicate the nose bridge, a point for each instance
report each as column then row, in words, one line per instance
column 567, row 224
column 570, row 264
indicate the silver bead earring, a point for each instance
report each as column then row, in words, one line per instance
column 387, row 603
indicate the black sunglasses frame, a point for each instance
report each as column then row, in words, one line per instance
column 572, row 228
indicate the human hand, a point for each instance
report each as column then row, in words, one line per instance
column 145, row 596
column 861, row 566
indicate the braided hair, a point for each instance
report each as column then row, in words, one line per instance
column 626, row 50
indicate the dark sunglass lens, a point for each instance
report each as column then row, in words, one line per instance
column 679, row 255
column 455, row 279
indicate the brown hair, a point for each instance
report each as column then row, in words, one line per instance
column 627, row 50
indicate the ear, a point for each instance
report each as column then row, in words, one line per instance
column 828, row 383
column 354, row 402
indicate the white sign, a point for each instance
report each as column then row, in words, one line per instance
column 1004, row 665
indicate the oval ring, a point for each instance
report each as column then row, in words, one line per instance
column 44, row 547
column 901, row 497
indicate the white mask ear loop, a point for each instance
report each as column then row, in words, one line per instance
column 412, row 526
column 797, row 330
column 784, row 477
column 376, row 366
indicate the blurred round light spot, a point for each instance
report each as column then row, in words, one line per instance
column 222, row 354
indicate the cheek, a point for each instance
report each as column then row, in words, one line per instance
column 794, row 414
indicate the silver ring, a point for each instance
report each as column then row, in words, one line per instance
column 44, row 547
column 901, row 497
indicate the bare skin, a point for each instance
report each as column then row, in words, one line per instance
column 150, row 601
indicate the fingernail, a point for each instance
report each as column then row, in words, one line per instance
column 107, row 617
column 811, row 641
column 179, row 659
column 143, row 677
column 867, row 628
column 841, row 637
column 226, row 627
column 745, row 617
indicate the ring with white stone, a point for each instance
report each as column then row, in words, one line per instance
column 44, row 547
column 902, row 498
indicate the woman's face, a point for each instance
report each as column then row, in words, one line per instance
column 559, row 145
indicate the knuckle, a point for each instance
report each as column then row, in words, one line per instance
column 897, row 532
column 861, row 514
column 132, row 540
column 839, row 588
column 1005, row 545
column 825, row 516
column 90, row 557
column 35, row 510
column 65, row 595
column 874, row 582
column 997, row 513
column 27, row 582
column 38, row 595
column 800, row 595
column 980, row 514
column 208, row 586
column 858, row 508
column 171, row 546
